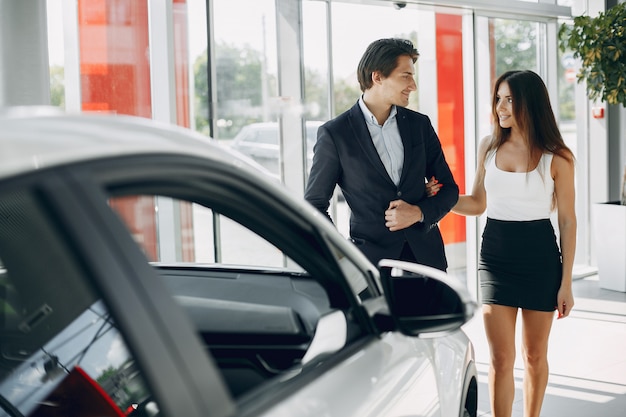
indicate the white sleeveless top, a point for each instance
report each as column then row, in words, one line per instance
column 519, row 196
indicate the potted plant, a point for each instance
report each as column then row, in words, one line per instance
column 600, row 44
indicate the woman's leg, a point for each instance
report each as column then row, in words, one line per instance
column 500, row 329
column 536, row 327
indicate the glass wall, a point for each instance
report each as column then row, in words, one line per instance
column 245, row 65
column 56, row 53
column 523, row 43
column 228, row 75
column 438, row 34
column 504, row 45
column 319, row 102
column 572, row 127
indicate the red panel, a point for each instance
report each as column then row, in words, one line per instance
column 115, row 77
column 449, row 40
column 114, row 59
column 138, row 215
column 78, row 396
column 186, row 232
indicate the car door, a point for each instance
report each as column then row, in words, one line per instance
column 366, row 374
column 391, row 375
column 83, row 331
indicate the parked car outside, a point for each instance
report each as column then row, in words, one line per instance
column 260, row 141
column 115, row 298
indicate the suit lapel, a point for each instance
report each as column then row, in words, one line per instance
column 405, row 134
column 363, row 138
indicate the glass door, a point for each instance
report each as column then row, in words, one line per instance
column 504, row 43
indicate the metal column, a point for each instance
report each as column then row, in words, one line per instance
column 24, row 67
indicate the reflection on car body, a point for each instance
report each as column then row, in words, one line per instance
column 159, row 272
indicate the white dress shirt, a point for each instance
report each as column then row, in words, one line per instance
column 387, row 141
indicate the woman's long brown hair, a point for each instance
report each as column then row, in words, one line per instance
column 533, row 115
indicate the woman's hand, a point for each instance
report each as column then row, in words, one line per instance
column 565, row 301
column 433, row 187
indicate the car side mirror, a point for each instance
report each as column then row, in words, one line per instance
column 424, row 300
column 331, row 335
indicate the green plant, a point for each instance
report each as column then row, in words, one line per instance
column 600, row 43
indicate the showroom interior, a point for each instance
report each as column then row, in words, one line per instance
column 205, row 66
column 222, row 68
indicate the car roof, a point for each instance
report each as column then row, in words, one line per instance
column 35, row 138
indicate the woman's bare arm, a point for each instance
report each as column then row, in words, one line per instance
column 474, row 204
column 563, row 173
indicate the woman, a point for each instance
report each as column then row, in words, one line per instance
column 525, row 171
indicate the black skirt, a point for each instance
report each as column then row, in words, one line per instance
column 520, row 264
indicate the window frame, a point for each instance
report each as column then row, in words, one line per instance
column 118, row 271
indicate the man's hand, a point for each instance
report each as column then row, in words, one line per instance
column 400, row 215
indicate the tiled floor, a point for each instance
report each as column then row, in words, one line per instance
column 587, row 356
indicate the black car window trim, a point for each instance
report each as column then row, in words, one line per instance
column 50, row 192
column 129, row 177
column 119, row 176
column 225, row 189
column 76, row 204
column 123, row 176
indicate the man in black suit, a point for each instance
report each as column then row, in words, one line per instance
column 380, row 154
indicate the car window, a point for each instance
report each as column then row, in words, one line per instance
column 190, row 232
column 255, row 309
column 61, row 351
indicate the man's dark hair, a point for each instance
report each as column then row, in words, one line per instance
column 382, row 55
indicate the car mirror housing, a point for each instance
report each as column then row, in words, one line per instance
column 330, row 336
column 422, row 299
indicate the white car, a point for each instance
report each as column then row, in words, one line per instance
column 260, row 142
column 115, row 298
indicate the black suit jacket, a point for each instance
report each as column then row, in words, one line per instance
column 345, row 155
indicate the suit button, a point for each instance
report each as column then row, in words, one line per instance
column 399, row 194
